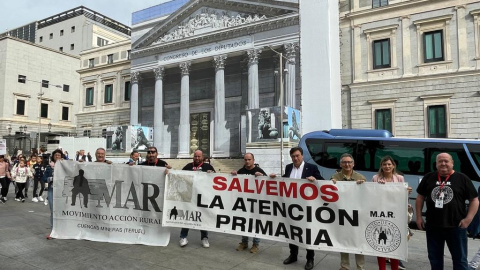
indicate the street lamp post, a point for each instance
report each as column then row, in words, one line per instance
column 40, row 95
column 280, row 56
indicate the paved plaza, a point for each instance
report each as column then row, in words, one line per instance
column 23, row 227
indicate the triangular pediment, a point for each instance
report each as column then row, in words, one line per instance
column 200, row 17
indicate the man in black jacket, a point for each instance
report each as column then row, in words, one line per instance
column 153, row 160
column 300, row 170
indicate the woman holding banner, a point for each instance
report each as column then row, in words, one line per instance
column 386, row 174
column 57, row 155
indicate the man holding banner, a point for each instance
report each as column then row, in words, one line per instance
column 196, row 165
column 300, row 170
column 251, row 169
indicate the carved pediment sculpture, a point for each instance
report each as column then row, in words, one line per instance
column 208, row 20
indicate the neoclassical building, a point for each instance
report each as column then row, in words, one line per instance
column 197, row 72
column 411, row 66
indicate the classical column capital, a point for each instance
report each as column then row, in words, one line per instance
column 291, row 52
column 135, row 77
column 159, row 73
column 185, row 67
column 253, row 56
column 219, row 61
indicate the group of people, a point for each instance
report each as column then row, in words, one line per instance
column 444, row 191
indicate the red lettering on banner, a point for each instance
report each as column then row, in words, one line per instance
column 235, row 185
column 245, row 183
column 272, row 188
column 314, row 191
column 329, row 192
column 289, row 189
column 220, row 183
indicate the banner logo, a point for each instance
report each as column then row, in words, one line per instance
column 383, row 236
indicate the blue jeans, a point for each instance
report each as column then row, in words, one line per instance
column 456, row 239
column 184, row 233
column 256, row 241
column 50, row 203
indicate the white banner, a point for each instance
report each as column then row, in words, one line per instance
column 369, row 219
column 3, row 147
column 109, row 203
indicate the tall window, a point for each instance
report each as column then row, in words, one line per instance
column 51, row 35
column 87, row 133
column 72, row 29
column 437, row 121
column 72, row 47
column 41, row 39
column 381, row 53
column 65, row 113
column 89, row 96
column 109, row 58
column 383, row 119
column 45, row 83
column 91, row 62
column 128, row 89
column 66, row 88
column 433, row 46
column 108, row 93
column 20, row 107
column 379, row 3
column 44, row 110
column 61, row 32
column 60, row 49
column 128, row 54
column 101, row 42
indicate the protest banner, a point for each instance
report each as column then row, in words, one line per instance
column 3, row 147
column 114, row 203
column 369, row 219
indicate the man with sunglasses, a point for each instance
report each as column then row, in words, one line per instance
column 152, row 159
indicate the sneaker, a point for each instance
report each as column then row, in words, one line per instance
column 401, row 266
column 205, row 243
column 183, row 242
column 46, row 202
column 2, row 200
column 40, row 199
column 23, row 199
column 242, row 246
column 17, row 199
column 49, row 237
column 34, row 199
column 254, row 248
column 5, row 198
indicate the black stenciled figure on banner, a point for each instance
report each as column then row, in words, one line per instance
column 141, row 139
column 80, row 185
column 117, row 144
column 382, row 236
column 174, row 212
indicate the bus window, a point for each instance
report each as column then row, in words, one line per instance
column 315, row 148
column 461, row 163
column 334, row 150
column 408, row 156
column 475, row 152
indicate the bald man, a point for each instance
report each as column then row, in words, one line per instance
column 445, row 192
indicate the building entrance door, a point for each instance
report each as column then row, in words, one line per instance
column 200, row 133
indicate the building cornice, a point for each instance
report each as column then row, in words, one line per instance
column 234, row 32
column 39, row 46
column 397, row 80
column 102, row 111
column 125, row 63
column 384, row 9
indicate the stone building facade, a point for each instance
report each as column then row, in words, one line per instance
column 196, row 72
column 411, row 66
column 105, row 82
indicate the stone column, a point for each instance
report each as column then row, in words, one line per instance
column 158, row 110
column 407, row 53
column 358, row 75
column 290, row 84
column 253, row 89
column 462, row 38
column 221, row 141
column 135, row 77
column 184, row 129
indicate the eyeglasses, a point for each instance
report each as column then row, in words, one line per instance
column 346, row 162
column 151, row 152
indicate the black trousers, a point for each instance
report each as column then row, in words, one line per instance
column 294, row 252
column 20, row 195
column 35, row 186
column 5, row 182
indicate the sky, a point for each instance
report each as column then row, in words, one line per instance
column 15, row 13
